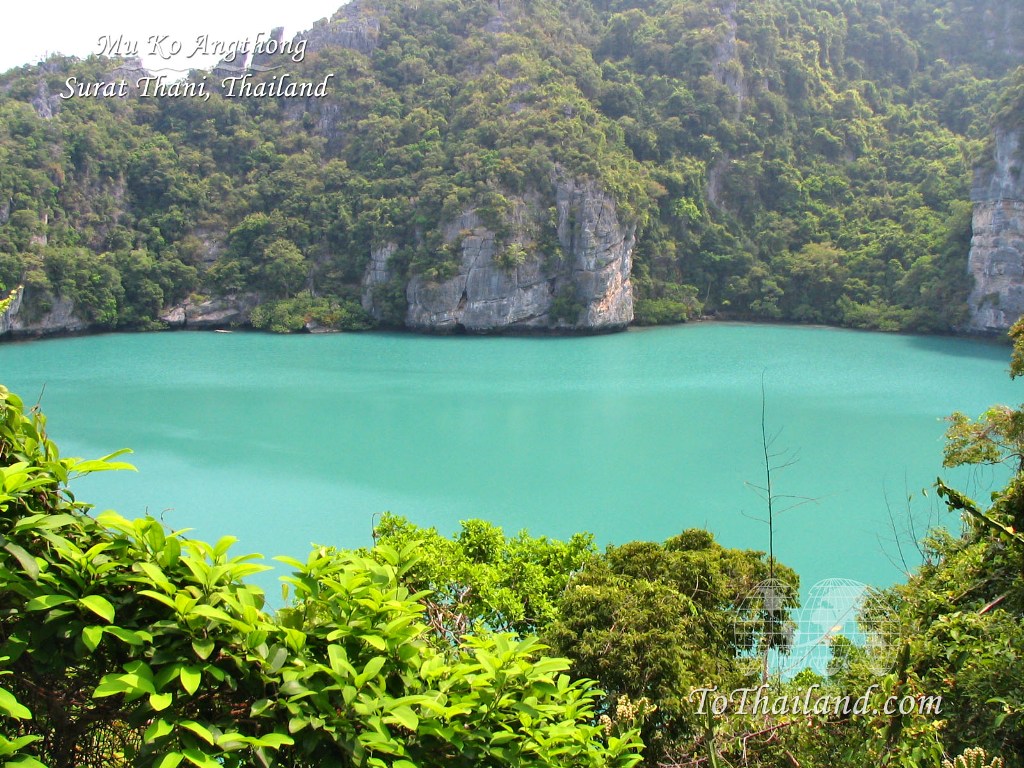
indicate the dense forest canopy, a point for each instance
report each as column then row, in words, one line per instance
column 807, row 160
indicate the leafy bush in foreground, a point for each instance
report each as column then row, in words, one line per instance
column 123, row 644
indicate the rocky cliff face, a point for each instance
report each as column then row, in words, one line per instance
column 997, row 248
column 378, row 273
column 355, row 26
column 60, row 318
column 218, row 312
column 506, row 283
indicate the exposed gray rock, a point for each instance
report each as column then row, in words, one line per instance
column 41, row 237
column 7, row 316
column 355, row 26
column 725, row 65
column 727, row 69
column 212, row 243
column 264, row 60
column 601, row 251
column 1001, row 29
column 130, row 68
column 997, row 248
column 484, row 296
column 312, row 326
column 175, row 316
column 377, row 274
column 218, row 312
column 60, row 318
column 45, row 103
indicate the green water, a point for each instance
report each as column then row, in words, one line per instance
column 285, row 441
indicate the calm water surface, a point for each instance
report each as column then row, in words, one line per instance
column 287, row 441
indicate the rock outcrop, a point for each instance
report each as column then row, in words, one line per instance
column 377, row 275
column 997, row 247
column 355, row 26
column 59, row 318
column 507, row 283
column 218, row 312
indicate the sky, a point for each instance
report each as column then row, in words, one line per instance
column 31, row 30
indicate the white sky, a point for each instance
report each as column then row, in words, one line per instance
column 31, row 29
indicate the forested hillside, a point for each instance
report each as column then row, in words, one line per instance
column 807, row 160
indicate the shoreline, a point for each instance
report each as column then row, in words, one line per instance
column 551, row 333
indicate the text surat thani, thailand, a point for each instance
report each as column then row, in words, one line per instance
column 239, row 86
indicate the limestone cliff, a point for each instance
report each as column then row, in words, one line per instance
column 510, row 282
column 218, row 312
column 355, row 26
column 997, row 248
column 59, row 317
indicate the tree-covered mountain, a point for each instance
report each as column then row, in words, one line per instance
column 494, row 164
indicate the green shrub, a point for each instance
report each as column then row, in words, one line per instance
column 291, row 315
column 125, row 644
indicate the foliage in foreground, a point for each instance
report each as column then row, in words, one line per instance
column 649, row 621
column 121, row 643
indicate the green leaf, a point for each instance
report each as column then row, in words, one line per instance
column 91, row 636
column 201, row 759
column 156, row 575
column 98, row 605
column 259, row 707
column 170, row 760
column 406, row 717
column 223, row 545
column 13, row 745
column 160, row 701
column 11, row 707
column 373, row 666
column 110, row 685
column 101, row 465
column 157, row 730
column 209, row 612
column 203, row 648
column 128, row 635
column 278, row 657
column 137, row 683
column 191, row 677
column 199, row 730
column 46, row 602
column 376, row 641
column 159, row 598
column 339, row 660
column 27, row 561
column 274, row 740
column 24, row 761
